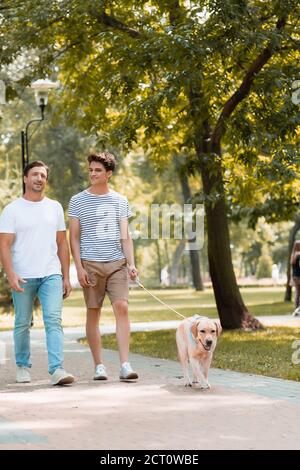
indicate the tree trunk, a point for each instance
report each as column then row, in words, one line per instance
column 292, row 238
column 194, row 255
column 167, row 256
column 176, row 258
column 231, row 308
column 159, row 267
column 196, row 273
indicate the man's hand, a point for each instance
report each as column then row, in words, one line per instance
column 66, row 288
column 133, row 272
column 14, row 282
column 83, row 277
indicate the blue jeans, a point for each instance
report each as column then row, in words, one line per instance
column 49, row 290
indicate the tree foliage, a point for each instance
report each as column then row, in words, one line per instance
column 211, row 79
column 140, row 71
column 9, row 189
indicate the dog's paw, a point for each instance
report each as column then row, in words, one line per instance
column 188, row 384
column 204, row 385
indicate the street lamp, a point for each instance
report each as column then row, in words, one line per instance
column 41, row 89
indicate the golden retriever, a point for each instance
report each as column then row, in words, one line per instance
column 196, row 339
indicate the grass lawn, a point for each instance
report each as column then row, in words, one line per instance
column 260, row 301
column 268, row 352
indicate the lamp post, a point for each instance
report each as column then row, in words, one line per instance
column 41, row 89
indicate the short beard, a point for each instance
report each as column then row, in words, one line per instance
column 37, row 190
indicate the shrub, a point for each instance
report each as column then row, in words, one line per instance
column 264, row 268
column 9, row 190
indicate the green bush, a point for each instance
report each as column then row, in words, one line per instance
column 264, row 268
column 5, row 293
column 9, row 190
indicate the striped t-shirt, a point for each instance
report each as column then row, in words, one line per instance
column 99, row 217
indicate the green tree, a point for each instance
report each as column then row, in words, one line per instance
column 188, row 199
column 214, row 75
column 264, row 268
column 62, row 146
column 9, row 189
column 64, row 149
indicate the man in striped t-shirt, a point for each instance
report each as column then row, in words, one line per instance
column 103, row 254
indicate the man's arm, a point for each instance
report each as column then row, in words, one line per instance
column 64, row 258
column 127, row 245
column 82, row 275
column 6, row 241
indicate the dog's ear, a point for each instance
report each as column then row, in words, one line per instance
column 219, row 327
column 194, row 329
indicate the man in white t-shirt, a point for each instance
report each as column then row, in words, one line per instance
column 103, row 254
column 35, row 256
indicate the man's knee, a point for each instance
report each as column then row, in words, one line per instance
column 22, row 326
column 23, row 321
column 53, row 321
column 92, row 317
column 121, row 306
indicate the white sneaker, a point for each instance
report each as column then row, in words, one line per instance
column 100, row 372
column 127, row 373
column 61, row 377
column 23, row 375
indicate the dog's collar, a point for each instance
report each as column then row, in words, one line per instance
column 195, row 340
column 195, row 318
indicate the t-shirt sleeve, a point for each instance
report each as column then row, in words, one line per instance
column 61, row 226
column 125, row 211
column 73, row 208
column 7, row 221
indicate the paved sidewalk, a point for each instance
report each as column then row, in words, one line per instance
column 241, row 411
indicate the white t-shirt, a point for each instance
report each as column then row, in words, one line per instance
column 35, row 225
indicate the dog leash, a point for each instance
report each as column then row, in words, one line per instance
column 158, row 299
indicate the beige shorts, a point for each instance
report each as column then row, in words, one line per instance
column 105, row 277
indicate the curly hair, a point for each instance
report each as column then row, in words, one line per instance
column 107, row 159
